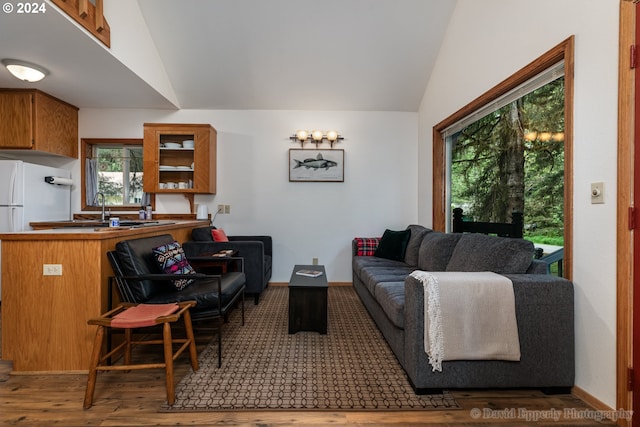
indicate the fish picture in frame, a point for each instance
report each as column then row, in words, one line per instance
column 316, row 165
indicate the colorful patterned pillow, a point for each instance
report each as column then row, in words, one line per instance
column 172, row 260
column 366, row 246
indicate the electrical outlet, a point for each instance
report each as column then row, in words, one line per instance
column 227, row 209
column 52, row 269
column 220, row 209
column 315, row 261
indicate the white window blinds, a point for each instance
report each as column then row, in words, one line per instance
column 554, row 72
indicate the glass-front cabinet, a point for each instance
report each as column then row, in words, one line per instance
column 179, row 158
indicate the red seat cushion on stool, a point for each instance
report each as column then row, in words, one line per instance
column 142, row 315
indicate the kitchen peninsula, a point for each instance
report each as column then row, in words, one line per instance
column 53, row 280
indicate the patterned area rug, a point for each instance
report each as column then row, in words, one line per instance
column 263, row 367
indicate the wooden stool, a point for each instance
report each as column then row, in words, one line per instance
column 128, row 316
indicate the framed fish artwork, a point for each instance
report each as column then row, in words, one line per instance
column 316, row 165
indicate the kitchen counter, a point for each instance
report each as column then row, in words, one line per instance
column 45, row 316
column 66, row 230
column 94, row 223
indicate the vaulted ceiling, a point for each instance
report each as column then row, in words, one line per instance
column 367, row 55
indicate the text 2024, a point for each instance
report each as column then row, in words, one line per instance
column 31, row 7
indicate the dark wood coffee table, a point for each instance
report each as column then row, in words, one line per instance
column 308, row 300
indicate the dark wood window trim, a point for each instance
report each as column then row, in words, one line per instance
column 563, row 51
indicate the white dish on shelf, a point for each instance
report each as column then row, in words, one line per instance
column 167, row 168
column 188, row 143
column 183, row 168
column 172, row 145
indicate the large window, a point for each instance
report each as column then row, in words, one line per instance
column 113, row 168
column 511, row 159
column 510, row 151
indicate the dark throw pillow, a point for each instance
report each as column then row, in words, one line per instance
column 393, row 244
column 202, row 234
column 172, row 260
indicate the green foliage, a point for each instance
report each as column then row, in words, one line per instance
column 498, row 167
column 117, row 166
column 546, row 240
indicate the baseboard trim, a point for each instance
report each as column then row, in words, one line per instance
column 590, row 400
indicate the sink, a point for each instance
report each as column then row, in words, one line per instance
column 99, row 223
column 85, row 223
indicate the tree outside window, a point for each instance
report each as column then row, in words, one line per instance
column 119, row 173
column 513, row 160
column 113, row 167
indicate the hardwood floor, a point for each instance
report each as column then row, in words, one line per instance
column 133, row 399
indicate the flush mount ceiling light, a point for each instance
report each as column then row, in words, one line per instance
column 25, row 71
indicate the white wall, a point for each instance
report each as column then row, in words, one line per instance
column 486, row 42
column 131, row 43
column 306, row 220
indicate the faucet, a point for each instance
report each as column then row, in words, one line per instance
column 95, row 199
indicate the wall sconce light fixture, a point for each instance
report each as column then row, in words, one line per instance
column 316, row 136
column 25, row 71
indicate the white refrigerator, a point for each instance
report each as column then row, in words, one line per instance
column 26, row 196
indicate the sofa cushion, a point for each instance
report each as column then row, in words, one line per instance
column 172, row 260
column 393, row 244
column 205, row 292
column 372, row 277
column 479, row 252
column 366, row 246
column 413, row 247
column 202, row 234
column 361, row 263
column 436, row 249
column 136, row 258
column 390, row 296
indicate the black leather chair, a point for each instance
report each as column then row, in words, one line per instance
column 140, row 280
column 257, row 252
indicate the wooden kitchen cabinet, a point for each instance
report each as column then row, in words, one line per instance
column 34, row 120
column 171, row 167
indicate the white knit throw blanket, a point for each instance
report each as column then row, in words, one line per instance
column 468, row 316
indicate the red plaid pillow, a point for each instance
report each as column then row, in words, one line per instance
column 366, row 246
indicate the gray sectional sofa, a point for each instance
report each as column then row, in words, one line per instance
column 543, row 304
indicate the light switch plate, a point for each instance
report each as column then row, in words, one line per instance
column 597, row 192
